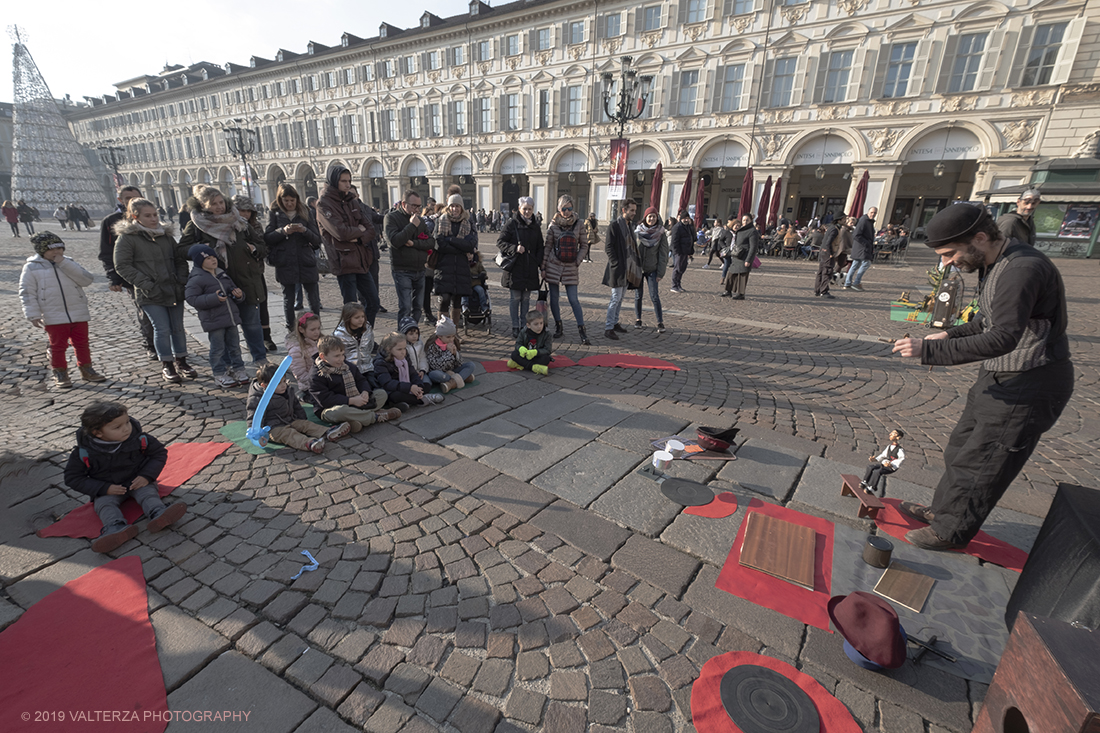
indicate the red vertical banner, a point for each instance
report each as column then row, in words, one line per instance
column 620, row 150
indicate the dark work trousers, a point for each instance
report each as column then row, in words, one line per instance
column 824, row 272
column 679, row 266
column 144, row 323
column 377, row 289
column 429, row 285
column 876, row 477
column 1005, row 415
column 543, row 357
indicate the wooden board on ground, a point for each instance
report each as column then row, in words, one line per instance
column 903, row 585
column 779, row 548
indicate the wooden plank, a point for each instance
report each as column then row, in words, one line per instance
column 779, row 548
column 905, row 586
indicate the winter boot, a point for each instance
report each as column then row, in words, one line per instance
column 456, row 382
column 584, row 336
column 61, row 379
column 558, row 330
column 456, row 316
column 169, row 372
column 89, row 374
column 184, row 369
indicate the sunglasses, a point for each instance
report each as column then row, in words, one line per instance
column 567, row 208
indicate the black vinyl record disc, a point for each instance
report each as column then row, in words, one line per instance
column 761, row 700
column 687, row 493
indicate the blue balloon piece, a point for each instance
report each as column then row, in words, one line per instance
column 258, row 433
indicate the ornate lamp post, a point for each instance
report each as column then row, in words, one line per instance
column 242, row 143
column 625, row 99
column 112, row 157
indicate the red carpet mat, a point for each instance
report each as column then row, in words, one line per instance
column 723, row 505
column 627, row 361
column 184, row 461
column 85, row 650
column 557, row 362
column 984, row 546
column 801, row 604
column 708, row 715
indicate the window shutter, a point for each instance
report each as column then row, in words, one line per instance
column 881, row 62
column 601, row 26
column 674, row 101
column 561, row 103
column 766, row 82
column 819, row 78
column 990, row 59
column 633, row 22
column 758, row 5
column 947, row 61
column 747, row 80
column 799, row 84
column 727, row 7
column 1068, row 53
column 563, row 39
column 668, row 12
column 502, row 112
column 706, row 91
column 682, row 12
column 1023, row 45
column 449, row 118
column 856, row 75
column 918, row 79
column 533, row 39
column 718, row 89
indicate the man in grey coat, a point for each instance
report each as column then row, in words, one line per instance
column 1020, row 224
column 863, row 250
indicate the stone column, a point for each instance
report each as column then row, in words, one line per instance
column 671, row 188
column 759, row 178
column 544, row 190
column 882, row 188
column 437, row 185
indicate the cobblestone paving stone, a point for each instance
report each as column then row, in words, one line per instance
column 469, row 582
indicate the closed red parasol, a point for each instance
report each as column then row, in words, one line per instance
column 658, row 181
column 685, row 195
column 762, row 207
column 745, row 206
column 860, row 199
column 777, row 195
column 699, row 204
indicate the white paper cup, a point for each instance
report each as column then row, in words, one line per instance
column 662, row 459
column 675, row 447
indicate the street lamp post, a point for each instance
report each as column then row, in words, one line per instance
column 242, row 143
column 624, row 99
column 112, row 157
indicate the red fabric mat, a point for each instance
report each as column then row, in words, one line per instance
column 556, row 362
column 984, row 546
column 184, row 461
column 87, row 649
column 627, row 361
column 723, row 505
column 709, row 716
column 801, row 604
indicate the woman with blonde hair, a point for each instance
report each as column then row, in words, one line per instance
column 455, row 237
column 293, row 240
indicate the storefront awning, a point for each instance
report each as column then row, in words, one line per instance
column 1052, row 192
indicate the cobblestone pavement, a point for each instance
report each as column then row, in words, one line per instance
column 495, row 563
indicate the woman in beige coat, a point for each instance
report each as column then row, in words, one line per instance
column 566, row 247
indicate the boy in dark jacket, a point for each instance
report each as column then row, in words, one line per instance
column 286, row 417
column 114, row 460
column 341, row 393
column 533, row 346
column 213, row 294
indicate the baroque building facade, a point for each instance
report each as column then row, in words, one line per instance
column 936, row 99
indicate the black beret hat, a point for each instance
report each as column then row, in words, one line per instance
column 956, row 222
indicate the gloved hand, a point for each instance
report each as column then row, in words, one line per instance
column 532, row 353
column 37, row 323
column 523, row 352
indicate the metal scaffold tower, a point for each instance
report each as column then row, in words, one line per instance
column 48, row 165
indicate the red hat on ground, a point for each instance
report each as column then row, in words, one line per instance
column 871, row 625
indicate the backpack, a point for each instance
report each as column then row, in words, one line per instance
column 565, row 248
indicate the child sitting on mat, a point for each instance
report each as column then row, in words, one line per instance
column 342, row 393
column 445, row 364
column 397, row 375
column 114, row 460
column 286, row 417
column 533, row 346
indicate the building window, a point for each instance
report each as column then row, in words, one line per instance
column 575, row 113
column 298, row 135
column 484, row 50
column 311, row 82
column 200, row 148
column 511, row 44
column 280, row 88
column 731, row 88
column 214, row 100
column 332, row 131
column 433, row 61
column 696, row 11
column 389, row 69
column 543, row 39
column 282, row 136
column 511, row 103
column 576, row 32
column 269, row 138
column 484, row 114
column 367, row 72
column 613, row 25
column 460, row 117
column 783, row 82
column 316, row 131
column 689, row 87
column 331, row 80
column 544, row 109
column 1043, row 54
column 414, row 122
column 435, row 122
column 408, row 65
column 898, row 69
column 737, row 7
column 389, row 124
column 179, row 149
column 968, row 59
column 349, row 76
column 836, row 77
column 651, row 18
column 296, row 85
column 458, row 56
column 351, row 129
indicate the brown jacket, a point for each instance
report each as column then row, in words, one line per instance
column 347, row 246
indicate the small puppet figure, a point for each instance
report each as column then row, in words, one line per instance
column 884, row 464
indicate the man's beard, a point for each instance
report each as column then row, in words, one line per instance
column 973, row 260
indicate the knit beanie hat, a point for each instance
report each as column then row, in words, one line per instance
column 244, row 203
column 199, row 252
column 455, row 198
column 651, row 210
column 445, row 327
column 45, row 241
column 407, row 324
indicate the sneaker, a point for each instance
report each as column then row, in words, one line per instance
column 619, row 329
column 828, row 296
column 386, row 415
column 540, row 369
column 660, row 328
column 185, row 369
column 170, row 515
column 169, row 373
column 513, row 365
column 270, row 346
column 382, row 309
column 847, row 287
column 152, row 354
column 356, row 426
column 638, row 323
column 113, row 540
column 317, row 446
column 611, row 335
column 224, row 380
column 726, row 294
column 431, row 398
column 61, row 379
column 857, row 288
column 242, row 376
column 89, row 374
column 675, row 289
column 339, row 431
column 706, row 267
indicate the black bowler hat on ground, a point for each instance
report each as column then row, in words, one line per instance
column 954, row 223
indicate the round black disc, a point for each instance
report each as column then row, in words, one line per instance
column 687, row 493
column 760, row 700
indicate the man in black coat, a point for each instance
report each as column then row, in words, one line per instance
column 620, row 246
column 830, row 246
column 863, row 250
column 107, row 239
column 682, row 244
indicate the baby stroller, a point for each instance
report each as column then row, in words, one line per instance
column 474, row 315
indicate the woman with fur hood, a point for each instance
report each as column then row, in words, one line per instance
column 455, row 237
column 146, row 256
column 218, row 224
column 347, row 234
column 558, row 273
